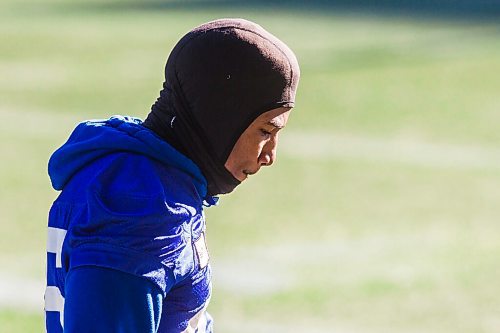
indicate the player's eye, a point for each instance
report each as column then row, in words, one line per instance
column 265, row 133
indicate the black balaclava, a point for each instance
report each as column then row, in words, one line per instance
column 219, row 78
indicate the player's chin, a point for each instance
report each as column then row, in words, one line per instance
column 242, row 177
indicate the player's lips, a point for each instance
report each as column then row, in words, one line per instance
column 248, row 173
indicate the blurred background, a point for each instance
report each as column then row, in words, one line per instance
column 381, row 213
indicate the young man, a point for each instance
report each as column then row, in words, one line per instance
column 126, row 241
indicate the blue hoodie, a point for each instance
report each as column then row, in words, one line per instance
column 130, row 212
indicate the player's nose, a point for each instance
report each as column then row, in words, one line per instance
column 268, row 155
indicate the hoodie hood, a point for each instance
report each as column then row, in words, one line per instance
column 94, row 139
column 219, row 78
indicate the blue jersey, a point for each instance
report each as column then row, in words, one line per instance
column 130, row 203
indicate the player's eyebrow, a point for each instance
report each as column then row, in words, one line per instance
column 275, row 123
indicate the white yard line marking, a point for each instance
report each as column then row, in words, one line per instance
column 325, row 146
column 21, row 293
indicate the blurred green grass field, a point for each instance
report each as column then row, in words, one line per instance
column 381, row 213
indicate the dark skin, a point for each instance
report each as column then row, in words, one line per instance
column 256, row 147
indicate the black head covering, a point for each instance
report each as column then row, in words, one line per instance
column 219, row 78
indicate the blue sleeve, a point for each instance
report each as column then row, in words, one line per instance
column 106, row 300
column 130, row 220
